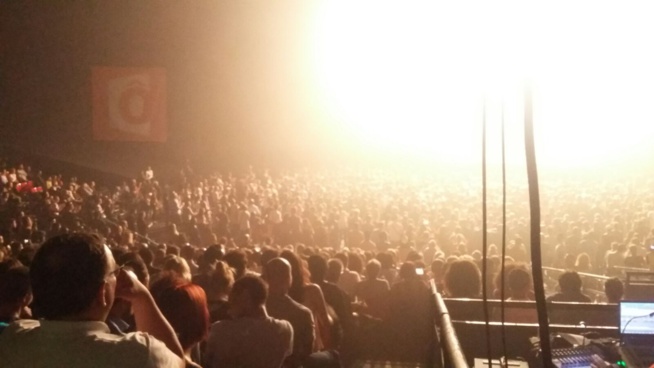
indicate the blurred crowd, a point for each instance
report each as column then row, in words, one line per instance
column 340, row 257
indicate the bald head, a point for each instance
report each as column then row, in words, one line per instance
column 277, row 272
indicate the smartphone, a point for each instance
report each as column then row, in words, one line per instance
column 420, row 271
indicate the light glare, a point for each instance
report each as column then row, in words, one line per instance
column 410, row 77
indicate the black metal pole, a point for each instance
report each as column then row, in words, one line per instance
column 534, row 209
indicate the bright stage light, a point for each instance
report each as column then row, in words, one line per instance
column 410, row 77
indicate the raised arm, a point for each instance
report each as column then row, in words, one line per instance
column 147, row 315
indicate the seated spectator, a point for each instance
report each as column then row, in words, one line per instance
column 614, row 290
column 74, row 281
column 463, row 280
column 373, row 292
column 188, row 253
column 311, row 296
column 388, row 270
column 335, row 297
column 277, row 272
column 237, row 259
column 185, row 306
column 410, row 317
column 267, row 254
column 218, row 289
column 570, row 289
column 349, row 278
column 206, row 265
column 159, row 257
column 334, row 270
column 178, row 266
column 520, row 289
column 504, row 289
column 15, row 295
column 355, row 263
column 252, row 338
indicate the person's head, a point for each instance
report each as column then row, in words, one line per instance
column 237, row 259
column 73, row 276
column 570, row 282
column 437, row 269
column 408, row 271
column 614, row 290
column 248, row 296
column 317, row 268
column 277, row 272
column 146, row 255
column 355, row 261
column 519, row 282
column 220, row 282
column 299, row 273
column 178, row 266
column 344, row 259
column 267, row 254
column 15, row 291
column 583, row 262
column 373, row 268
column 173, row 250
column 185, row 307
column 413, row 256
column 463, row 279
column 188, row 253
column 213, row 253
column 159, row 257
column 135, row 263
column 334, row 270
column 569, row 261
column 386, row 260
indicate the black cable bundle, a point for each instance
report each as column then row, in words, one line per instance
column 534, row 209
column 503, row 261
column 484, row 264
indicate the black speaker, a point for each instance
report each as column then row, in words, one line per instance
column 639, row 286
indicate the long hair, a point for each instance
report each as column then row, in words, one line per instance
column 463, row 280
column 299, row 273
column 184, row 305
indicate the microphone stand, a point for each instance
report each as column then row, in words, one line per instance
column 650, row 315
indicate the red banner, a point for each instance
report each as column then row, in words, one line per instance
column 129, row 104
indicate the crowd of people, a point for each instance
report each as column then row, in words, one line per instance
column 293, row 270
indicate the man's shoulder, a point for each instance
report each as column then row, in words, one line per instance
column 20, row 327
column 332, row 288
column 280, row 324
column 292, row 304
column 287, row 309
column 63, row 342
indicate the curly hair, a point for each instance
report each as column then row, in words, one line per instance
column 463, row 279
